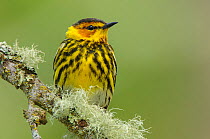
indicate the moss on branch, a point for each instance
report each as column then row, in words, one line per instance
column 73, row 110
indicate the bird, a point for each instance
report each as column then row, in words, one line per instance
column 85, row 60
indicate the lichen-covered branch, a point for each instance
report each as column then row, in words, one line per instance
column 35, row 116
column 73, row 110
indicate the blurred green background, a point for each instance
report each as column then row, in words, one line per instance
column 162, row 49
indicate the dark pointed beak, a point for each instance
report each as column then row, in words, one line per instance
column 108, row 25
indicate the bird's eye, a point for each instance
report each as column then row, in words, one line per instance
column 90, row 27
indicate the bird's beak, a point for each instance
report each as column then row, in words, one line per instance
column 108, row 25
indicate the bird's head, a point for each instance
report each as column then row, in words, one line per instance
column 91, row 29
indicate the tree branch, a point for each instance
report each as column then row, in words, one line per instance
column 90, row 121
column 35, row 116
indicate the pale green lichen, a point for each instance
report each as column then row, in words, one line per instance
column 75, row 105
column 6, row 49
column 101, row 122
column 30, row 55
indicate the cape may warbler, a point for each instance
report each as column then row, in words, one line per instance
column 86, row 60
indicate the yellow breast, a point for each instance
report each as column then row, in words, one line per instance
column 85, row 65
column 84, row 74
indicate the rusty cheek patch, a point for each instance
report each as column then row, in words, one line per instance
column 86, row 33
